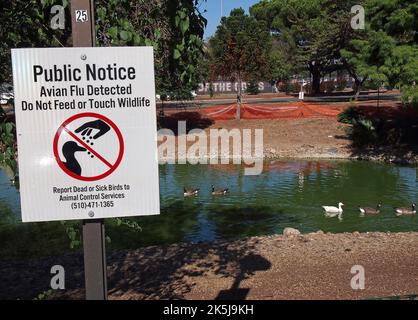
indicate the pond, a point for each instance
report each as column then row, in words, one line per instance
column 286, row 194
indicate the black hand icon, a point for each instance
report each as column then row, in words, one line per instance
column 87, row 128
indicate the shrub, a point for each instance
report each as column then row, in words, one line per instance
column 252, row 88
column 370, row 85
column 295, row 87
column 327, row 86
column 8, row 147
column 289, row 87
column 341, row 84
column 349, row 115
column 410, row 97
column 363, row 133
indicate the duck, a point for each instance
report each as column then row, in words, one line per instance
column 68, row 150
column 334, row 210
column 370, row 211
column 406, row 211
column 190, row 192
column 219, row 192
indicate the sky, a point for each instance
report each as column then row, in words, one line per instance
column 213, row 14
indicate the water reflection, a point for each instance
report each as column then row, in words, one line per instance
column 244, row 221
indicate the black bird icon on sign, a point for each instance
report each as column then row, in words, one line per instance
column 68, row 150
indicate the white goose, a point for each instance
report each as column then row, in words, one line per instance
column 332, row 212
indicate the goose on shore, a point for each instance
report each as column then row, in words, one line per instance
column 370, row 211
column 219, row 192
column 190, row 192
column 406, row 211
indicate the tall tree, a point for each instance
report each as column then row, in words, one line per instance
column 26, row 24
column 366, row 59
column 240, row 50
column 387, row 52
column 174, row 27
column 280, row 65
column 315, row 31
column 399, row 19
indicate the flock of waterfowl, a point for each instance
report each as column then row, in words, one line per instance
column 338, row 211
column 195, row 192
column 330, row 211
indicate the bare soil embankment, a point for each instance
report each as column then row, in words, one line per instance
column 304, row 135
column 311, row 266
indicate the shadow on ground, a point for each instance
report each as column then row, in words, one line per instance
column 248, row 266
column 167, row 273
column 163, row 272
column 194, row 120
column 156, row 272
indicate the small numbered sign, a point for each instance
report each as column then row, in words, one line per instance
column 81, row 16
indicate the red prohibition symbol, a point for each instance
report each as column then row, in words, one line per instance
column 108, row 125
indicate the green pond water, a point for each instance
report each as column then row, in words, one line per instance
column 286, row 194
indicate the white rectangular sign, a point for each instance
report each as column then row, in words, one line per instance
column 86, row 132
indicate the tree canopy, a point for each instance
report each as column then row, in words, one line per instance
column 314, row 30
column 240, row 49
column 319, row 36
column 397, row 18
column 387, row 52
column 173, row 27
column 26, row 24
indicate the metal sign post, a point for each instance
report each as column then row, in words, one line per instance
column 95, row 259
column 83, row 34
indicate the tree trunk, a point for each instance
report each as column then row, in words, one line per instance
column 316, row 80
column 357, row 88
column 239, row 99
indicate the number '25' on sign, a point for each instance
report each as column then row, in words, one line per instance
column 81, row 16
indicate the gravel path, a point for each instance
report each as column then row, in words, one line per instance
column 312, row 266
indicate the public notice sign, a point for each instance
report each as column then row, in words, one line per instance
column 86, row 132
